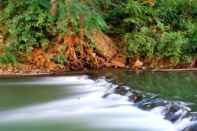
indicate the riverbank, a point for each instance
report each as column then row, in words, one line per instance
column 138, row 35
column 25, row 72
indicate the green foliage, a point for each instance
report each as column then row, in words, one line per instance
column 191, row 34
column 60, row 59
column 8, row 56
column 170, row 45
column 164, row 29
column 69, row 14
column 141, row 43
column 28, row 23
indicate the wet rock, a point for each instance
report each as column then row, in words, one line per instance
column 175, row 111
column 194, row 116
column 150, row 103
column 193, row 127
column 122, row 90
column 136, row 97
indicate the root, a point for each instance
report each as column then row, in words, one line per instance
column 79, row 55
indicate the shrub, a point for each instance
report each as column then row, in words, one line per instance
column 163, row 28
column 170, row 45
column 141, row 43
column 8, row 58
column 30, row 24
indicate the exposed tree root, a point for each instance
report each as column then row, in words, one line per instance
column 78, row 53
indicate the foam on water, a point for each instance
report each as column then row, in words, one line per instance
column 71, row 80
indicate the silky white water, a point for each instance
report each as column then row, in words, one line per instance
column 82, row 108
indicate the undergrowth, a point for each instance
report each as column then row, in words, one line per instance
column 30, row 24
column 162, row 29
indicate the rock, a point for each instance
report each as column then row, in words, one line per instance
column 175, row 111
column 194, row 116
column 119, row 61
column 122, row 90
column 135, row 97
column 104, row 45
column 137, row 65
column 150, row 102
column 193, row 127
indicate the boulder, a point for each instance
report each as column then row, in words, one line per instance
column 104, row 45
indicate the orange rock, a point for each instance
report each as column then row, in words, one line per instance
column 137, row 65
column 118, row 61
column 104, row 45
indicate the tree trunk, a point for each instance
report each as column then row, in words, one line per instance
column 81, row 22
column 1, row 5
column 53, row 7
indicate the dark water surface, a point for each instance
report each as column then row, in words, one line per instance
column 90, row 103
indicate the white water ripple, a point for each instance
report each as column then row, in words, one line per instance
column 114, row 112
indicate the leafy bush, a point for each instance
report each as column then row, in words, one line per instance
column 141, row 43
column 162, row 28
column 191, row 47
column 30, row 24
column 70, row 14
column 170, row 45
column 7, row 56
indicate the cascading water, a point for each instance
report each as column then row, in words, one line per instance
column 82, row 104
